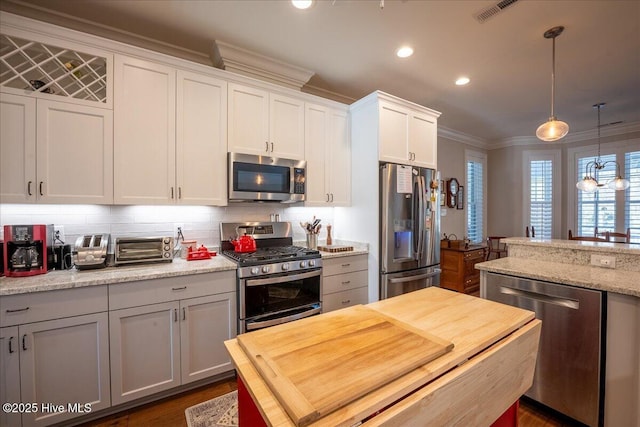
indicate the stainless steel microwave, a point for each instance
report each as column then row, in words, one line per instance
column 266, row 179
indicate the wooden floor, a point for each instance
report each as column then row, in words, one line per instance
column 170, row 412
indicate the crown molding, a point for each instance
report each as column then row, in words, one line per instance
column 325, row 93
column 242, row 61
column 462, row 137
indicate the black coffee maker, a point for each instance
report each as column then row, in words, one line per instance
column 28, row 249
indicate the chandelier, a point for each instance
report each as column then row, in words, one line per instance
column 590, row 182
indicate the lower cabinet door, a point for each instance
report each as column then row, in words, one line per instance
column 64, row 368
column 206, row 322
column 9, row 375
column 145, row 350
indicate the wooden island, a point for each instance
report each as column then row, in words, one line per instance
column 482, row 359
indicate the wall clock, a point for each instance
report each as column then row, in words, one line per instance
column 452, row 192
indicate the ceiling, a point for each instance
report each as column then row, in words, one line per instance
column 350, row 46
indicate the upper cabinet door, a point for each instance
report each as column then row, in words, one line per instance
column 286, row 127
column 17, row 149
column 201, row 140
column 74, row 153
column 423, row 142
column 315, row 147
column 339, row 159
column 248, row 118
column 394, row 133
column 144, row 132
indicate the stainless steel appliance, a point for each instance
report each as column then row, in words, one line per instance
column 277, row 283
column 570, row 368
column 409, row 230
column 28, row 249
column 131, row 250
column 266, row 179
column 91, row 251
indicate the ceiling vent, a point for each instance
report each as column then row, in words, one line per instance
column 494, row 9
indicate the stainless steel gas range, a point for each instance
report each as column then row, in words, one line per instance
column 276, row 283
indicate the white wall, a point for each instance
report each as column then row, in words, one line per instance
column 201, row 223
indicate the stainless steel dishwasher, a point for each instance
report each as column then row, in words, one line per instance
column 570, row 367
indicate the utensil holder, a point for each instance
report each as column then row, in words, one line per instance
column 312, row 241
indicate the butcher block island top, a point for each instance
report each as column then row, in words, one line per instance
column 430, row 357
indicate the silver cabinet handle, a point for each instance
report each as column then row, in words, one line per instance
column 17, row 310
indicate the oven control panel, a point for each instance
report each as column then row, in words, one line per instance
column 280, row 267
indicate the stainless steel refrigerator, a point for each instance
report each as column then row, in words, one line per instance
column 409, row 229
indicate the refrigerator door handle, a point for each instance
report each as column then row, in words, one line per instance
column 419, row 218
column 412, row 278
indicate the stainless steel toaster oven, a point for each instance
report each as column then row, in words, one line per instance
column 131, row 250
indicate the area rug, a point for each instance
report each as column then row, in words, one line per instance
column 221, row 411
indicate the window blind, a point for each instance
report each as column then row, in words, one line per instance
column 475, row 200
column 597, row 209
column 632, row 195
column 541, row 197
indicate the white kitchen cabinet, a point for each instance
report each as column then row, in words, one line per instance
column 145, row 350
column 144, row 132
column 407, row 135
column 264, row 123
column 170, row 133
column 55, row 152
column 60, row 342
column 168, row 332
column 9, row 375
column 328, row 155
column 344, row 282
column 201, row 140
column 206, row 323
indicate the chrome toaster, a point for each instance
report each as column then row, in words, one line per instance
column 91, row 251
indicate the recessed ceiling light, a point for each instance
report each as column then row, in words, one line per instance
column 302, row 4
column 404, row 52
column 462, row 81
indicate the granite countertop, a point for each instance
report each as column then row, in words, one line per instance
column 67, row 279
column 610, row 247
column 605, row 279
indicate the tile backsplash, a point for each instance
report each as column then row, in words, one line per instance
column 201, row 223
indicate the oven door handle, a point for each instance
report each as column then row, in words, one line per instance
column 282, row 279
column 265, row 324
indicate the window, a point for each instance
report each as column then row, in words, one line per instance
column 475, row 184
column 541, row 193
column 606, row 209
column 632, row 196
column 597, row 209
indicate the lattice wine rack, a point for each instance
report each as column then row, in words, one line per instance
column 29, row 65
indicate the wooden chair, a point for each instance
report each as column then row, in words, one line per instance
column 601, row 234
column 533, row 231
column 620, row 237
column 495, row 247
column 589, row 239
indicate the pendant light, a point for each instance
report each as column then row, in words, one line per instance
column 553, row 129
column 590, row 183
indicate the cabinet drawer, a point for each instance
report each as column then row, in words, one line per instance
column 343, row 265
column 344, row 299
column 474, row 256
column 39, row 306
column 343, row 282
column 154, row 291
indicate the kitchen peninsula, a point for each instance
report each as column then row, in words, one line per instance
column 493, row 355
column 561, row 280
